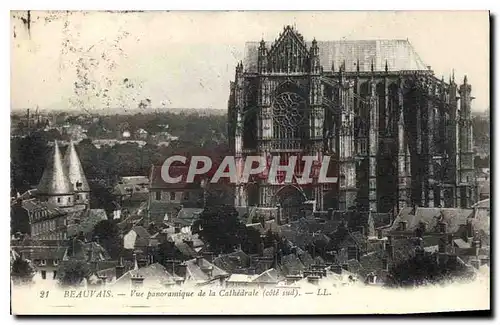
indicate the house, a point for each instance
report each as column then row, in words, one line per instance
column 167, row 199
column 141, row 134
column 152, row 277
column 138, row 238
column 131, row 191
column 200, row 271
column 83, row 222
column 45, row 256
column 41, row 220
column 428, row 220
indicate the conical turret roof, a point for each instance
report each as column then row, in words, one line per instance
column 74, row 170
column 54, row 179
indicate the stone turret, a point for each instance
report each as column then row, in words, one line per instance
column 76, row 175
column 54, row 186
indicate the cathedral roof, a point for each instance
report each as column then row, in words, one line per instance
column 54, row 179
column 74, row 169
column 400, row 55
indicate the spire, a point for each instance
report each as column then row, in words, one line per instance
column 357, row 65
column 453, row 75
column 333, row 66
column 386, row 66
column 54, row 179
column 465, row 79
column 372, row 65
column 74, row 170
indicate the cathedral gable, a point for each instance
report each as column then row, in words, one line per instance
column 289, row 53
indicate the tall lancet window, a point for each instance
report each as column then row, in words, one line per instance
column 288, row 115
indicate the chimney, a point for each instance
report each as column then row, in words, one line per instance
column 189, row 242
column 120, row 269
column 442, row 227
column 251, row 271
column 470, row 229
column 390, row 250
column 345, row 266
column 278, row 214
column 181, row 269
column 442, row 246
column 385, row 264
column 177, row 229
column 389, row 239
column 137, row 281
column 199, row 261
column 336, row 269
column 103, row 279
column 209, row 256
column 313, row 279
column 450, row 239
column 402, row 225
column 379, row 233
column 330, row 214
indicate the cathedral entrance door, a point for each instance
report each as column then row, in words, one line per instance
column 291, row 200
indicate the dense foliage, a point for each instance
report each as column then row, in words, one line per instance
column 22, row 270
column 220, row 227
column 72, row 272
column 425, row 269
column 107, row 234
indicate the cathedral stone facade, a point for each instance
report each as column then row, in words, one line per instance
column 396, row 134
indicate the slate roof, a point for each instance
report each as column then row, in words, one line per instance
column 381, row 219
column 404, row 249
column 89, row 252
column 485, row 204
column 400, row 55
column 55, row 180
column 430, row 216
column 41, row 252
column 88, row 219
column 141, row 232
column 185, row 249
column 195, row 273
column 232, row 261
column 155, row 276
column 189, row 214
column 270, row 276
column 74, row 170
column 34, row 205
column 269, row 225
column 241, row 278
column 158, row 209
column 291, row 265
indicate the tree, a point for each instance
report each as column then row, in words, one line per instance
column 72, row 272
column 108, row 235
column 423, row 269
column 22, row 270
column 220, row 228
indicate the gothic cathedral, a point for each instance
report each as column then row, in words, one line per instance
column 396, row 135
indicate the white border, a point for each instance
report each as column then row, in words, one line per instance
column 193, row 5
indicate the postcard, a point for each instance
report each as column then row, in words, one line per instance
column 244, row 163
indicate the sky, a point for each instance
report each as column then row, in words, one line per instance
column 97, row 60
